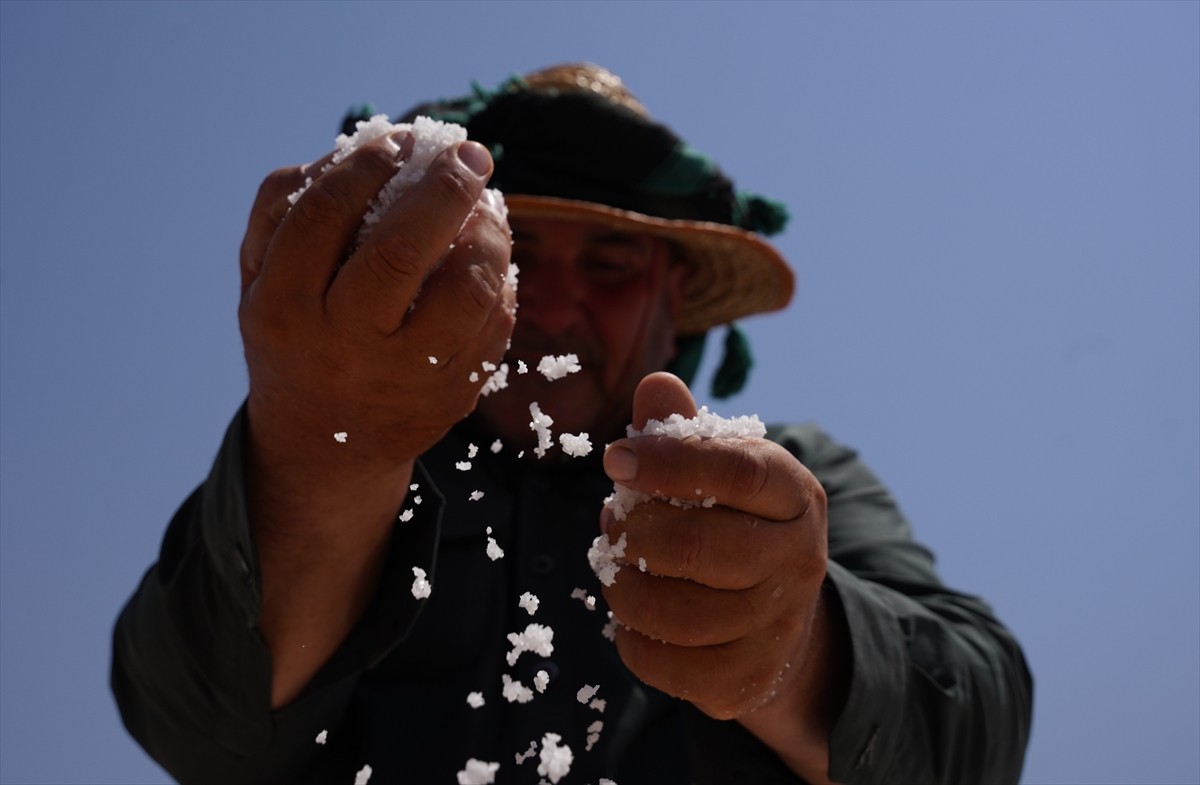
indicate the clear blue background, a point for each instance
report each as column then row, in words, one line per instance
column 996, row 234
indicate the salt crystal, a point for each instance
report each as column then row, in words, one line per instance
column 497, row 381
column 363, row 775
column 340, row 437
column 416, row 500
column 478, row 772
column 610, row 629
column 529, row 602
column 540, row 680
column 523, row 756
column 593, row 732
column 322, row 736
column 586, row 692
column 537, row 638
column 540, row 424
column 589, row 601
column 414, row 486
column 606, row 781
column 642, row 563
column 421, row 588
column 487, row 366
column 514, row 691
column 555, row 760
column 476, row 495
column 522, row 367
column 603, row 556
column 599, row 704
column 432, row 360
column 497, row 446
column 553, row 367
column 475, row 699
column 472, row 450
column 575, row 446
column 462, row 466
column 474, row 377
column 406, row 516
column 494, row 551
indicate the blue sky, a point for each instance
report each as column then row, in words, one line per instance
column 996, row 230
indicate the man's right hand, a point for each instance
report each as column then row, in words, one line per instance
column 340, row 342
column 335, row 347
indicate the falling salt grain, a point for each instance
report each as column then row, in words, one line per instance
column 496, row 447
column 463, row 466
column 472, row 450
column 421, row 588
column 494, row 551
column 322, row 736
column 476, row 495
column 589, row 601
column 540, row 680
column 340, row 437
column 522, row 367
column 553, row 367
column 529, row 601
column 593, row 732
column 478, row 772
column 414, row 486
column 475, row 699
column 514, row 691
column 537, row 638
column 575, row 446
column 540, row 424
column 603, row 556
column 432, row 360
column 474, row 377
column 529, row 753
column 586, row 693
column 642, row 563
column 406, row 516
column 555, row 760
column 363, row 775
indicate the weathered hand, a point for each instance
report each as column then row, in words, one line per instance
column 723, row 612
column 336, row 343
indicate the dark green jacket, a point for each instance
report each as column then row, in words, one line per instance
column 939, row 689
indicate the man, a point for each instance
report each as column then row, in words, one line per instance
column 787, row 630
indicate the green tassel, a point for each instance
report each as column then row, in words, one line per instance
column 689, row 350
column 735, row 366
column 759, row 214
column 364, row 111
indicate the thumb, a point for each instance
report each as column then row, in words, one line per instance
column 660, row 395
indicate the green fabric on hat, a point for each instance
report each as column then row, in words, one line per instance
column 735, row 366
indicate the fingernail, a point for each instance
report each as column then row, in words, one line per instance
column 620, row 463
column 606, row 519
column 476, row 158
column 402, row 144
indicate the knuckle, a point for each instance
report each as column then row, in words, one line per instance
column 749, row 474
column 687, row 546
column 396, row 259
column 451, row 187
column 323, row 203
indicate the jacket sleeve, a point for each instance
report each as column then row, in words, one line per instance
column 192, row 675
column 939, row 690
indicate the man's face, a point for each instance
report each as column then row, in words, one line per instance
column 609, row 297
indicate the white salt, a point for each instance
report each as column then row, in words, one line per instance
column 575, row 446
column 472, row 450
column 475, row 699
column 529, row 601
column 529, row 753
column 497, row 381
column 421, row 588
column 599, row 704
column 406, row 516
column 642, row 563
column 610, row 629
column 494, row 551
column 462, row 466
column 593, row 732
column 478, row 772
column 414, row 486
column 363, row 776
column 589, row 601
column 540, row 424
column 432, row 360
column 514, row 691
column 537, row 638
column 603, row 556
column 322, row 736
column 473, row 377
column 586, row 693
column 340, row 437
column 476, row 495
column 555, row 760
column 553, row 367
column 522, row 367
column 540, row 681
column 496, row 447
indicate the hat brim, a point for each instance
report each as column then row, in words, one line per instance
column 733, row 273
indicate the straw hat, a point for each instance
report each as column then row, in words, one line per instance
column 572, row 142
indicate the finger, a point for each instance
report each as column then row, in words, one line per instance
column 660, row 395
column 687, row 613
column 461, row 294
column 756, row 476
column 270, row 205
column 313, row 236
column 725, row 680
column 718, row 547
column 382, row 278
